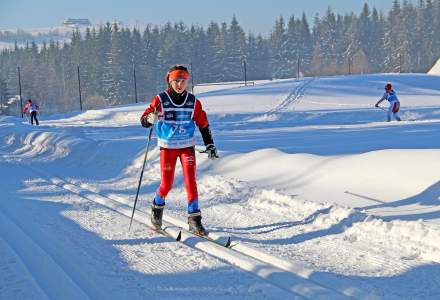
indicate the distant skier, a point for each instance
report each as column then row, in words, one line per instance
column 394, row 107
column 33, row 109
column 175, row 112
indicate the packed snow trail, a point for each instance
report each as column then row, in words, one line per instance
column 89, row 246
column 246, row 259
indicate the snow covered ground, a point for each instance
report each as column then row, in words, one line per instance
column 323, row 199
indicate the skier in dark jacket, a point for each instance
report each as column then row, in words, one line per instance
column 33, row 109
column 175, row 113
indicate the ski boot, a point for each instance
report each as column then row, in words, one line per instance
column 156, row 215
column 195, row 224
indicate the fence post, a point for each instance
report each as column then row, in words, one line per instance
column 349, row 65
column 79, row 89
column 135, row 84
column 244, row 69
column 297, row 68
column 400, row 62
column 19, row 87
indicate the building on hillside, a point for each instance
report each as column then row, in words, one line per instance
column 77, row 22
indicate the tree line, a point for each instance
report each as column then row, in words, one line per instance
column 405, row 39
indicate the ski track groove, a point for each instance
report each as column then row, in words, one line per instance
column 294, row 96
column 147, row 265
column 65, row 286
column 30, row 278
column 81, row 190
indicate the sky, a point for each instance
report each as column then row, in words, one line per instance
column 253, row 15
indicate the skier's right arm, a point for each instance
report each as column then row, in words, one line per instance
column 150, row 114
column 381, row 99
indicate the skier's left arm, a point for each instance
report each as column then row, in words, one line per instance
column 202, row 122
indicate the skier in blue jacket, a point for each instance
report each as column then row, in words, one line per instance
column 391, row 97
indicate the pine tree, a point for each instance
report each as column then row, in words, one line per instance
column 257, row 58
column 305, row 51
column 198, row 56
column 151, row 68
column 376, row 44
column 428, row 34
column 393, row 38
column 117, row 84
column 3, row 94
column 235, row 43
column 219, row 51
column 292, row 47
column 214, row 43
column 89, row 69
column 138, row 64
column 106, row 67
column 279, row 50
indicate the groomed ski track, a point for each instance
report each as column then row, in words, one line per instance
column 283, row 274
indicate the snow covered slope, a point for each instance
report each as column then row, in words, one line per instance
column 435, row 70
column 323, row 198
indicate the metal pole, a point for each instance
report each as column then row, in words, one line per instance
column 192, row 78
column 400, row 62
column 349, row 65
column 245, row 71
column 135, row 84
column 141, row 176
column 142, row 172
column 19, row 86
column 297, row 69
column 79, row 90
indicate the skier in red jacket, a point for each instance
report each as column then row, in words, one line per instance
column 175, row 113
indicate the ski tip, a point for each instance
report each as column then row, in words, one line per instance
column 179, row 236
column 228, row 242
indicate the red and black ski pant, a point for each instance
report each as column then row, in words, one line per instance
column 168, row 159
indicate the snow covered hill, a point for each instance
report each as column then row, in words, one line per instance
column 323, row 199
column 435, row 70
column 61, row 34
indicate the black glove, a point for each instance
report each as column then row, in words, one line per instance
column 212, row 151
column 144, row 122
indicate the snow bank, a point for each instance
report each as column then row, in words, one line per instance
column 435, row 70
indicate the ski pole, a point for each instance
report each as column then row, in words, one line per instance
column 142, row 172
